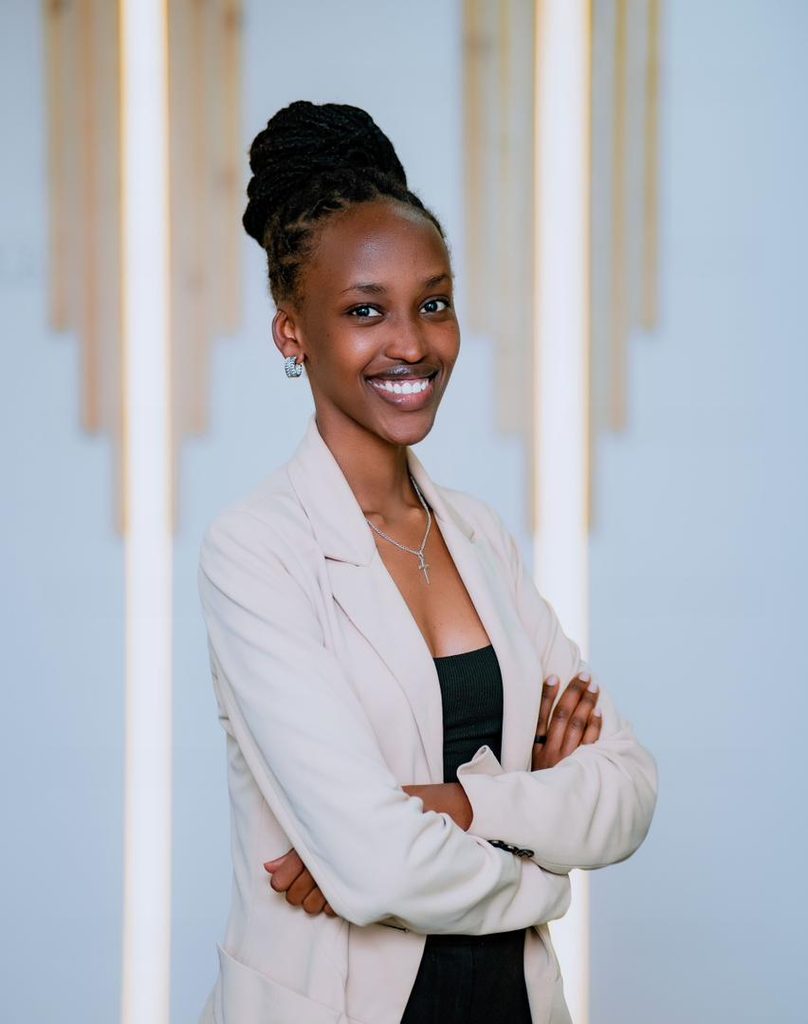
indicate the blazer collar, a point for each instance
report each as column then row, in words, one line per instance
column 335, row 515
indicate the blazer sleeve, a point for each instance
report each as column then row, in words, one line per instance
column 376, row 855
column 595, row 806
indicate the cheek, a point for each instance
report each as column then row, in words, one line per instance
column 342, row 353
column 450, row 343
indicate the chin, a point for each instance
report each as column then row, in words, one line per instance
column 406, row 429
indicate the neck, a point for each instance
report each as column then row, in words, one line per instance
column 376, row 470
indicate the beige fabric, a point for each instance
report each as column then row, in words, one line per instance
column 330, row 701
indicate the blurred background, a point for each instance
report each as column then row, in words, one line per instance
column 624, row 192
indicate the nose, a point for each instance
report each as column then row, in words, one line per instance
column 407, row 339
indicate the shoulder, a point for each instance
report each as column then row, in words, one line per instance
column 266, row 522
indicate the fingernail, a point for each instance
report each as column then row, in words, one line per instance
column 598, row 712
column 268, row 865
column 552, row 680
column 584, row 677
column 593, row 687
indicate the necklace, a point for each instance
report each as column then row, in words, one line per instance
column 419, row 552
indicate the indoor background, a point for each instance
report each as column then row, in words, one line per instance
column 638, row 313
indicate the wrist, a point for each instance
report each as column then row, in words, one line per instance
column 447, row 798
column 462, row 810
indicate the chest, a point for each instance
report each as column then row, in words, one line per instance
column 386, row 628
column 436, row 597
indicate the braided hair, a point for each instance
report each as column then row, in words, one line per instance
column 310, row 162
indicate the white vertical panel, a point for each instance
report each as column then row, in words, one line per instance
column 561, row 384
column 147, row 871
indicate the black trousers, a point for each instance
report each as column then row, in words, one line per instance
column 470, row 979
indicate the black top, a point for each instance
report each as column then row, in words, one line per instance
column 471, row 691
column 470, row 979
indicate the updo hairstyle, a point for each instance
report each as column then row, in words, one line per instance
column 309, row 162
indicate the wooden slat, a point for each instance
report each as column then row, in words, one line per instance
column 651, row 172
column 636, row 39
column 227, row 192
column 86, row 240
column 198, row 228
column 181, row 169
column 619, row 311
column 55, row 14
column 473, row 43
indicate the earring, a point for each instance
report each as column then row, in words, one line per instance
column 292, row 367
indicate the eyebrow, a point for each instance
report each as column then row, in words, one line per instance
column 371, row 288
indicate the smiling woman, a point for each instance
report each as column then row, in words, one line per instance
column 422, row 754
column 373, row 321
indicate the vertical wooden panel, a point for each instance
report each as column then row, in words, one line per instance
column 181, row 169
column 227, row 163
column 86, row 240
column 511, row 301
column 634, row 161
column 623, row 215
column 600, row 228
column 499, row 114
column 206, row 200
column 479, row 87
column 106, row 203
column 196, row 368
column 651, row 171
column 56, row 17
column 619, row 311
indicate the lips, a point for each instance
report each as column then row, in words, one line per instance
column 410, row 392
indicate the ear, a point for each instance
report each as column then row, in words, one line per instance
column 285, row 334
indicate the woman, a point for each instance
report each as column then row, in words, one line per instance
column 412, row 740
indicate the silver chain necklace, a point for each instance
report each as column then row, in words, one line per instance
column 419, row 552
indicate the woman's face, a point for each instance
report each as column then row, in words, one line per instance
column 376, row 323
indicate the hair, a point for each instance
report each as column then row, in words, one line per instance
column 310, row 162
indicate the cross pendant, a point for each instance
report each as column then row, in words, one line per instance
column 423, row 566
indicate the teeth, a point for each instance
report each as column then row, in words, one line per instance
column 407, row 388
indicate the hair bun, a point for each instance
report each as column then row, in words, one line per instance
column 304, row 142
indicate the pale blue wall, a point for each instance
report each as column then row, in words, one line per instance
column 61, row 602
column 700, row 559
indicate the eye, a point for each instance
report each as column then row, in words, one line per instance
column 433, row 303
column 364, row 312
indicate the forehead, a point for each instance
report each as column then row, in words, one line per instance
column 380, row 241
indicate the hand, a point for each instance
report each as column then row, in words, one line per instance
column 575, row 720
column 290, row 875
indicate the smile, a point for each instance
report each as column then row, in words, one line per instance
column 407, row 388
column 409, row 394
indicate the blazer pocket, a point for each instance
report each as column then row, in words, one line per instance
column 250, row 997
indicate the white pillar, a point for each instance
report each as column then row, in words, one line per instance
column 561, row 382
column 148, row 547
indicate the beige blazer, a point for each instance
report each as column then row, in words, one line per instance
column 330, row 701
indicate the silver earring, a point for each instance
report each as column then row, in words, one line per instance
column 292, row 367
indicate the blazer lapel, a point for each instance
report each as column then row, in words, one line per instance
column 364, row 589
column 370, row 598
column 368, row 595
column 481, row 570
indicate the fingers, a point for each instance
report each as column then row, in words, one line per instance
column 300, row 888
column 556, row 730
column 579, row 719
column 291, row 876
column 568, row 722
column 548, row 692
column 284, row 870
column 592, row 731
column 314, row 902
